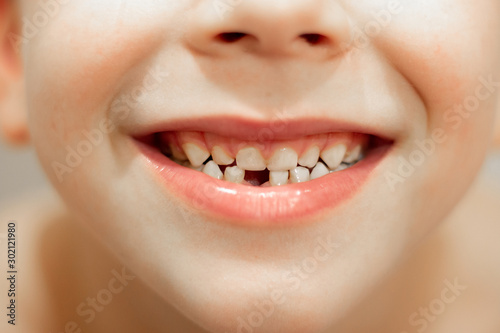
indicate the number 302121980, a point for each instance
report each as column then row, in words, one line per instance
column 11, row 245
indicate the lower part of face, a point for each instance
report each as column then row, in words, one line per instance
column 426, row 73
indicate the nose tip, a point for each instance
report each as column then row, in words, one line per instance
column 317, row 28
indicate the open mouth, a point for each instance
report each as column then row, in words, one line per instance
column 264, row 163
column 266, row 181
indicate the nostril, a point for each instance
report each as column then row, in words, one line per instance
column 230, row 37
column 314, row 39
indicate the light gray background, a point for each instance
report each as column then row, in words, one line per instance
column 20, row 172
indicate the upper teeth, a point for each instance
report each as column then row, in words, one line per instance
column 284, row 164
column 353, row 155
column 282, row 160
column 310, row 158
column 333, row 156
column 220, row 156
column 196, row 154
column 250, row 159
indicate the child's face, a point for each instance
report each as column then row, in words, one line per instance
column 421, row 74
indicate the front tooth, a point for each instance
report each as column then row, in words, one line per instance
column 353, row 155
column 277, row 178
column 310, row 158
column 234, row 175
column 213, row 170
column 319, row 171
column 220, row 156
column 196, row 154
column 283, row 159
column 250, row 159
column 333, row 156
column 299, row 175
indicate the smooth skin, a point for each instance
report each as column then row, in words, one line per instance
column 396, row 242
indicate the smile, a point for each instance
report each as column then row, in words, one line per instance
column 302, row 172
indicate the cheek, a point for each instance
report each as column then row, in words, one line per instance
column 448, row 52
column 78, row 64
column 79, row 60
column 442, row 49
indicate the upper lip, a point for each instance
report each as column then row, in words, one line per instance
column 252, row 129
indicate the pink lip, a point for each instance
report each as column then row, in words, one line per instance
column 245, row 205
column 253, row 129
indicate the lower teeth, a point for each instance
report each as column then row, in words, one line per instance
column 234, row 174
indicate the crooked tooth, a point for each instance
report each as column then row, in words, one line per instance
column 310, row 157
column 196, row 154
column 213, row 170
column 333, row 156
column 277, row 178
column 250, row 159
column 353, row 155
column 319, row 170
column 299, row 175
column 234, row 175
column 283, row 159
column 220, row 156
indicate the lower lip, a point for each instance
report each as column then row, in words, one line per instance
column 253, row 206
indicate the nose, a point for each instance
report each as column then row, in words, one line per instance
column 300, row 28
